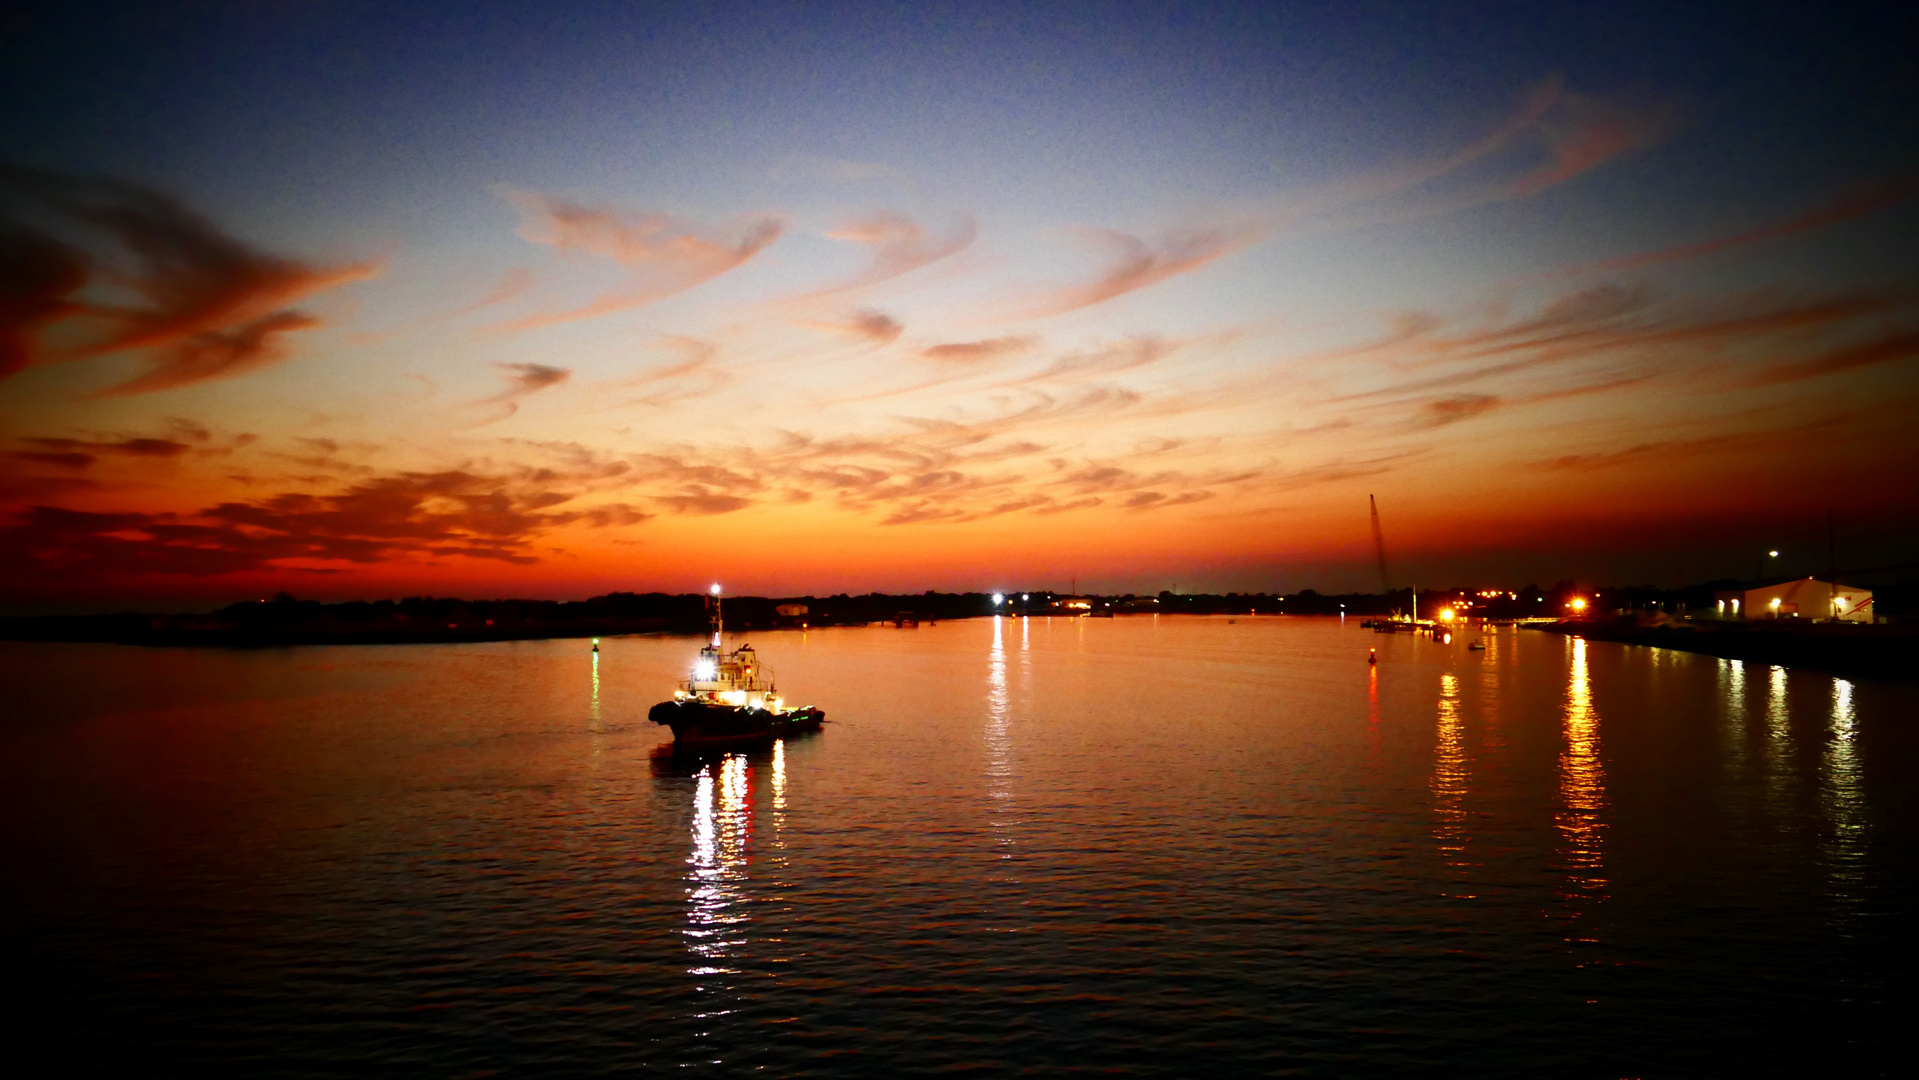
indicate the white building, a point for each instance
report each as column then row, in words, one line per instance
column 1803, row 598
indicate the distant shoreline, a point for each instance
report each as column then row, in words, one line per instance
column 285, row 620
column 1881, row 652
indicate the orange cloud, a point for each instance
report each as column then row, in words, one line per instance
column 1582, row 133
column 1627, row 325
column 1899, row 346
column 413, row 517
column 875, row 326
column 521, row 380
column 975, row 351
column 692, row 377
column 516, row 282
column 1452, row 410
column 899, row 245
column 38, row 277
column 1138, row 264
column 1672, row 450
column 663, row 256
column 210, row 307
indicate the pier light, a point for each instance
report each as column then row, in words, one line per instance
column 1445, row 614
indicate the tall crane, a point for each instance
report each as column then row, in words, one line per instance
column 1379, row 545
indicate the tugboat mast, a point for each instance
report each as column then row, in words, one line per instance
column 719, row 620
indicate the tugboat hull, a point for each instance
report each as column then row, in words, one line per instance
column 704, row 725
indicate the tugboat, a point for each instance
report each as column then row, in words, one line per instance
column 728, row 699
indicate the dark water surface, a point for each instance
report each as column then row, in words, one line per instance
column 1157, row 847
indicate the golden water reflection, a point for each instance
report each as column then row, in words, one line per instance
column 716, row 897
column 1843, row 844
column 999, row 739
column 1449, row 785
column 1372, row 710
column 595, row 713
column 1580, row 817
column 1732, row 685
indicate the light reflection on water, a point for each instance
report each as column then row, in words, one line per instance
column 999, row 739
column 717, row 901
column 1732, row 704
column 1785, row 786
column 596, row 724
column 1226, row 863
column 1450, row 785
column 1580, row 817
column 1844, row 836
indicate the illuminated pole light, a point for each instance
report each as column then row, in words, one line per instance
column 998, row 599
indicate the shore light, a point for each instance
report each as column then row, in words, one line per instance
column 1578, row 603
column 998, row 599
column 1445, row 614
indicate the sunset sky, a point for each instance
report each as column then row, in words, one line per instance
column 361, row 300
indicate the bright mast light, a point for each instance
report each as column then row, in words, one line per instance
column 715, row 590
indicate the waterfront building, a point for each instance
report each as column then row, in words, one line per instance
column 1799, row 598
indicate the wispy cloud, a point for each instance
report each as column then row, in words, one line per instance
column 1452, row 410
column 1883, row 350
column 874, row 327
column 972, row 352
column 511, row 286
column 1583, row 132
column 412, row 517
column 663, row 257
column 899, row 245
column 1134, row 263
column 203, row 304
column 1630, row 326
column 1856, row 204
column 1556, row 134
column 521, row 380
column 1669, row 451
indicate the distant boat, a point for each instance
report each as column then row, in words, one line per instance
column 729, row 700
column 1476, row 646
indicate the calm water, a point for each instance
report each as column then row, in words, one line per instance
column 1140, row 846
